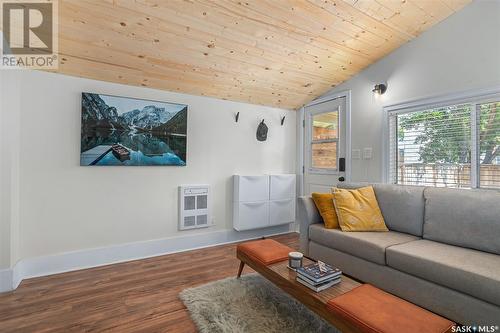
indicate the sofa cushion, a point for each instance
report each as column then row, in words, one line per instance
column 358, row 210
column 401, row 206
column 466, row 218
column 368, row 245
column 324, row 204
column 469, row 271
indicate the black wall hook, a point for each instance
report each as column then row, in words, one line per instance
column 237, row 116
column 282, row 120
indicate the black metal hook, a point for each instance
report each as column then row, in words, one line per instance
column 282, row 120
column 237, row 116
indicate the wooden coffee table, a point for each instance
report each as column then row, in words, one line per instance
column 284, row 278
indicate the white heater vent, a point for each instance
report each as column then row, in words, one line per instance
column 194, row 206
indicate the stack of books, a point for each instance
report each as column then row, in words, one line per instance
column 318, row 276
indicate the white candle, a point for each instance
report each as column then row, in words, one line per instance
column 295, row 259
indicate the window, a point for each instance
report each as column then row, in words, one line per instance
column 456, row 145
column 324, row 141
column 488, row 127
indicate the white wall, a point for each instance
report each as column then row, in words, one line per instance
column 4, row 221
column 9, row 171
column 65, row 207
column 458, row 54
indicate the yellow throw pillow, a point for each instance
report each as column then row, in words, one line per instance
column 324, row 203
column 358, row 210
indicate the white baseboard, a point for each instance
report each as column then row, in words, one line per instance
column 70, row 261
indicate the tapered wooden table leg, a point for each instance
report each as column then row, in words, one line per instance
column 242, row 264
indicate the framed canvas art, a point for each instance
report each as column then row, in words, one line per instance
column 132, row 132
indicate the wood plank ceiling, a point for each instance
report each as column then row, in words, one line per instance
column 271, row 52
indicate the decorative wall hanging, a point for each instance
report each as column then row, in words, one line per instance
column 262, row 131
column 129, row 131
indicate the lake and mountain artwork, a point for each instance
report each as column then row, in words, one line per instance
column 132, row 132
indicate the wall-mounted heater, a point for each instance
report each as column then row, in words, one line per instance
column 194, row 206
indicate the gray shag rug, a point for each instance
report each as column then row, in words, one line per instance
column 247, row 305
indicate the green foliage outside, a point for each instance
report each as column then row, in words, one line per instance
column 445, row 133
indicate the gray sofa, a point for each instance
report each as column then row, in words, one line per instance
column 442, row 251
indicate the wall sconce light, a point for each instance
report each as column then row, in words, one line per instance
column 379, row 89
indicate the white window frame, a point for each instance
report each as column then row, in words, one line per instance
column 473, row 97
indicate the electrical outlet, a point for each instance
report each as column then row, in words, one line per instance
column 367, row 153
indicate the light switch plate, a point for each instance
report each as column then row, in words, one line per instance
column 367, row 153
column 356, row 154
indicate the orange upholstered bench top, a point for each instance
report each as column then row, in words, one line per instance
column 265, row 251
column 372, row 310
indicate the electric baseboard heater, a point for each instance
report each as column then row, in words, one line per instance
column 194, row 206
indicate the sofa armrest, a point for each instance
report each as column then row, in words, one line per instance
column 307, row 214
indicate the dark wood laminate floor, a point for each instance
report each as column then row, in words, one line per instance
column 136, row 296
